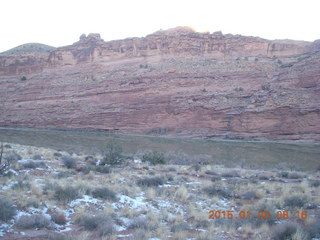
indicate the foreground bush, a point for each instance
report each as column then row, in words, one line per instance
column 69, row 162
column 217, row 190
column 13, row 157
column 295, row 175
column 21, row 184
column 296, row 201
column 230, row 174
column 284, row 231
column 313, row 229
column 113, row 154
column 104, row 224
column 67, row 193
column 102, row 169
column 154, row 158
column 150, row 182
column 180, row 227
column 60, row 175
column 37, row 157
column 140, row 223
column 7, row 210
column 250, row 195
column 315, row 183
column 35, row 221
column 104, row 193
column 255, row 221
column 33, row 164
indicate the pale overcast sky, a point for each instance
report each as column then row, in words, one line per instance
column 61, row 22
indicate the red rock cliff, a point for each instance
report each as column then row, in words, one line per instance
column 176, row 82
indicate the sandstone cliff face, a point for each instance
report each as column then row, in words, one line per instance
column 175, row 82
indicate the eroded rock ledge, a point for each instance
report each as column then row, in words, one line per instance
column 176, row 82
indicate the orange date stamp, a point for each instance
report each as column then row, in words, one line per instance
column 281, row 214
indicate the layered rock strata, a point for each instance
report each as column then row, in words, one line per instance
column 173, row 82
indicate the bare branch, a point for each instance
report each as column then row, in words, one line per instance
column 3, row 166
column 1, row 152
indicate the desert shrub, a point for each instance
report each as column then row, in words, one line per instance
column 296, row 201
column 172, row 169
column 217, row 190
column 229, row 223
column 140, row 234
column 259, row 210
column 7, row 146
column 253, row 180
column 240, row 89
column 60, row 175
column 67, row 193
column 23, row 78
column 230, row 174
column 33, row 203
column 91, row 160
column 179, row 158
column 21, row 184
column 49, row 186
column 202, row 224
column 315, row 183
column 151, row 173
column 250, row 195
column 106, row 228
column 104, row 193
column 57, row 154
column 211, row 173
column 294, row 175
column 150, row 182
column 313, row 229
column 33, row 164
column 7, row 210
column 13, row 157
column 140, row 222
column 57, row 236
column 283, row 174
column 215, row 178
column 311, row 205
column 143, row 65
column 69, row 162
column 154, row 158
column 37, row 157
column 35, row 221
column 58, row 218
column 104, row 224
column 113, row 153
column 102, row 169
column 86, row 169
column 284, row 231
column 263, row 177
column 169, row 177
column 196, row 167
column 180, row 227
column 89, row 222
column 265, row 87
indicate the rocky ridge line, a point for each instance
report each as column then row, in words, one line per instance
column 172, row 82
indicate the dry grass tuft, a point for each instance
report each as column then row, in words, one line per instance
column 7, row 209
column 182, row 194
column 150, row 182
column 35, row 221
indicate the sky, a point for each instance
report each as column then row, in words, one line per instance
column 61, row 22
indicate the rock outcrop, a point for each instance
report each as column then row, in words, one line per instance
column 174, row 82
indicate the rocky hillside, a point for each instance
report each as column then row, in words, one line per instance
column 29, row 48
column 172, row 82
